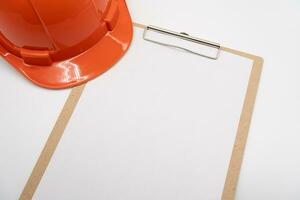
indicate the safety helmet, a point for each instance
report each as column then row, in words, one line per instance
column 63, row 43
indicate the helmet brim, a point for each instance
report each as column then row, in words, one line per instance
column 85, row 66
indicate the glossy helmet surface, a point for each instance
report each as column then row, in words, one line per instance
column 59, row 44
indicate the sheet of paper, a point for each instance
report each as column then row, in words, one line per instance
column 161, row 124
column 27, row 115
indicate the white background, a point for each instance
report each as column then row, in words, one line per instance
column 27, row 115
column 270, row 29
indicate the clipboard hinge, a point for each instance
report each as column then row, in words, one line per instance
column 183, row 36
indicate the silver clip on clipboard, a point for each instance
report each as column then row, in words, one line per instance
column 186, row 43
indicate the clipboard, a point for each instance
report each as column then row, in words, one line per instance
column 234, row 166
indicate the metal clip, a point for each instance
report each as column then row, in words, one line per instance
column 183, row 36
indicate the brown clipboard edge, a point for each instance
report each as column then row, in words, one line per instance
column 51, row 144
column 239, row 147
column 236, row 156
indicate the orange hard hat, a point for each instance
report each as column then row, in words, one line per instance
column 63, row 43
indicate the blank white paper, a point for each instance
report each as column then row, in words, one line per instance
column 161, row 125
column 27, row 115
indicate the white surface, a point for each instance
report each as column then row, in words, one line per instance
column 268, row 28
column 160, row 125
column 27, row 116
